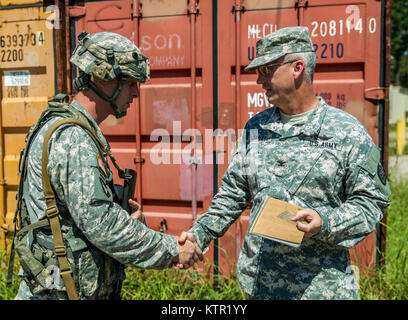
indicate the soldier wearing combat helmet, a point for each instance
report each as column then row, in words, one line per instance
column 74, row 239
column 307, row 153
column 107, row 56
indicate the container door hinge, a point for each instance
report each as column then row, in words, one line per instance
column 137, row 7
column 377, row 93
column 163, row 226
column 301, row 3
column 193, row 7
column 238, row 6
column 76, row 11
column 139, row 160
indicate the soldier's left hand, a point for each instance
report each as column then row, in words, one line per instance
column 313, row 219
column 136, row 211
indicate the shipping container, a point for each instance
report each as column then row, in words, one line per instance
column 180, row 134
column 28, row 80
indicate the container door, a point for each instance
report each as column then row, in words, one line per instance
column 27, row 82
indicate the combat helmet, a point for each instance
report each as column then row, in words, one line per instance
column 105, row 56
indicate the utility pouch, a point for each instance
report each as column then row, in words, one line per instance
column 36, row 274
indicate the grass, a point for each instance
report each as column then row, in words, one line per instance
column 173, row 284
column 391, row 281
column 168, row 284
column 387, row 283
column 392, row 127
column 8, row 293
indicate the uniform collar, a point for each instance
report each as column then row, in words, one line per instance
column 77, row 106
column 311, row 128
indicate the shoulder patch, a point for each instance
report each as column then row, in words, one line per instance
column 381, row 174
column 101, row 164
column 105, row 188
column 374, row 167
column 373, row 159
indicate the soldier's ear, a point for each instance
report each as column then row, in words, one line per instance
column 298, row 68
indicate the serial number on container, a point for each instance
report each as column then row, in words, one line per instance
column 22, row 40
column 12, row 46
column 11, row 55
column 329, row 50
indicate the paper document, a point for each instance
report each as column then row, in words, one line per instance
column 273, row 222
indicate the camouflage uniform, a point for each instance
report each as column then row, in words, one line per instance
column 328, row 163
column 81, row 185
column 100, row 236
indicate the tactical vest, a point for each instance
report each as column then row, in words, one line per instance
column 54, row 248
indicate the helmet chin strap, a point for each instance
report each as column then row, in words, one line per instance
column 112, row 100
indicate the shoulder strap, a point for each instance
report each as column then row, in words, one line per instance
column 52, row 209
column 54, row 108
column 53, row 216
column 93, row 135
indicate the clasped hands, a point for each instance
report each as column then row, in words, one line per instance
column 189, row 252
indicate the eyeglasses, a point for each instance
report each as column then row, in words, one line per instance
column 267, row 70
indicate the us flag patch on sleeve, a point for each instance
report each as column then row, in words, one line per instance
column 101, row 164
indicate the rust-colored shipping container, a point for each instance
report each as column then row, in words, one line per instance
column 197, row 52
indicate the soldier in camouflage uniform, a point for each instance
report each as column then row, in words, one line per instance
column 307, row 153
column 100, row 236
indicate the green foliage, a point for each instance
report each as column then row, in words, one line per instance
column 168, row 284
column 399, row 43
column 173, row 284
column 392, row 127
column 7, row 293
column 391, row 281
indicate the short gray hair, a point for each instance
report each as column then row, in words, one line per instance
column 308, row 58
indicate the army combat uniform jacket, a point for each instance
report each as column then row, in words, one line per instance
column 329, row 164
column 100, row 234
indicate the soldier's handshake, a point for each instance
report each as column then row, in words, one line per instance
column 189, row 253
